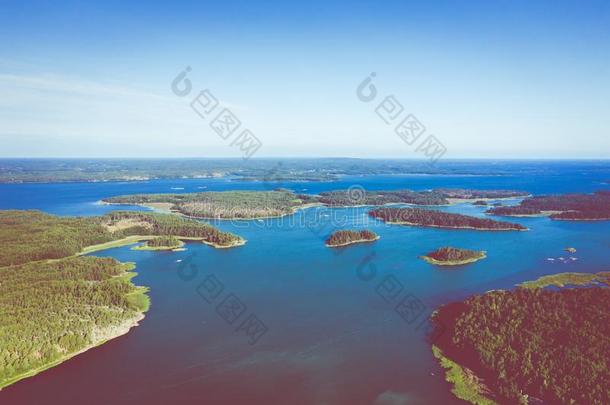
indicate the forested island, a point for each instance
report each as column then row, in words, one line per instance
column 222, row 204
column 529, row 345
column 56, row 303
column 439, row 219
column 470, row 194
column 349, row 237
column 343, row 198
column 575, row 207
column 281, row 202
column 450, row 256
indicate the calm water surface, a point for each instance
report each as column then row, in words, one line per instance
column 334, row 335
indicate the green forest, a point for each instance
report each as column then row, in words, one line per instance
column 454, row 255
column 33, row 235
column 345, row 198
column 594, row 206
column 52, row 310
column 258, row 204
column 423, row 217
column 164, row 241
column 225, row 204
column 53, row 303
column 344, row 237
column 146, row 223
column 547, row 344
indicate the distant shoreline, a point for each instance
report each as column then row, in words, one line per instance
column 455, row 227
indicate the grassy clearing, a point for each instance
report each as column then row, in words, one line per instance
column 564, row 279
column 466, row 385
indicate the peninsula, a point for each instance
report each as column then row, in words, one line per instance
column 56, row 303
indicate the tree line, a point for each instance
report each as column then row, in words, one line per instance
column 549, row 345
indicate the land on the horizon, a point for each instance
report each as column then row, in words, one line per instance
column 277, row 170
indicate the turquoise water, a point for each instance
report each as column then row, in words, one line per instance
column 333, row 335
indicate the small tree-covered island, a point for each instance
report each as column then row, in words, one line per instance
column 530, row 345
column 350, row 237
column 450, row 256
column 439, row 219
column 56, row 303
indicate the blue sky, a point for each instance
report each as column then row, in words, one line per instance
column 487, row 78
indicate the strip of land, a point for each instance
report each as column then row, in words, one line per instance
column 281, row 202
column 439, row 219
column 569, row 279
column 55, row 302
column 569, row 207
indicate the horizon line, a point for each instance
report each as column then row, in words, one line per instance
column 419, row 159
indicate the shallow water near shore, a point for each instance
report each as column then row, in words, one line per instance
column 334, row 335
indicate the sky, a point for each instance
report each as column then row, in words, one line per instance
column 488, row 79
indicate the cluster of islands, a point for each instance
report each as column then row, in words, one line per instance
column 498, row 347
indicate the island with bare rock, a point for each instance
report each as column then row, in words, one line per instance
column 350, row 237
column 450, row 256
